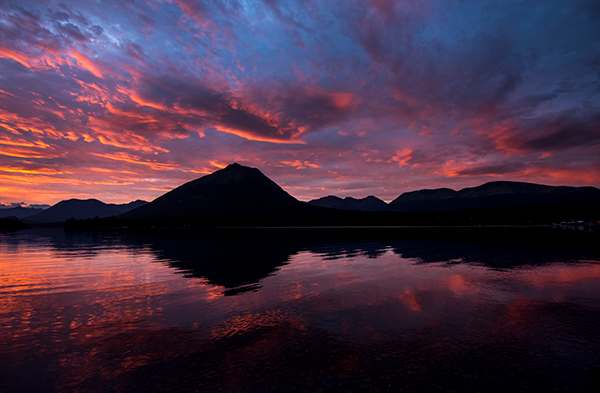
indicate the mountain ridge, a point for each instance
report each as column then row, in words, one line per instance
column 80, row 209
column 19, row 212
column 240, row 195
column 369, row 203
column 490, row 195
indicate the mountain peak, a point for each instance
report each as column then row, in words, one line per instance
column 238, row 168
column 233, row 190
column 232, row 173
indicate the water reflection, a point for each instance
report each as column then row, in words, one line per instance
column 238, row 260
column 313, row 310
column 236, row 263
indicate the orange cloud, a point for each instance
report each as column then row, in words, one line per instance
column 342, row 100
column 16, row 56
column 252, row 137
column 86, row 63
column 403, row 156
column 39, row 144
column 124, row 157
column 218, row 165
column 44, row 171
column 300, row 164
column 24, row 153
column 106, row 170
column 135, row 97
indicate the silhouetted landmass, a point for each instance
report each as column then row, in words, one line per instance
column 491, row 195
column 19, row 212
column 244, row 197
column 81, row 209
column 516, row 215
column 233, row 194
column 369, row 203
column 11, row 224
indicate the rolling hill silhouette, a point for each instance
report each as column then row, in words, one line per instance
column 369, row 203
column 81, row 209
column 233, row 192
column 492, row 195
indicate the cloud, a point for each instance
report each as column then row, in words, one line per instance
column 550, row 134
column 11, row 205
column 23, row 204
column 126, row 99
column 500, row 169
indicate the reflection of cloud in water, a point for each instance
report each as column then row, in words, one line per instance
column 411, row 299
column 327, row 307
column 238, row 260
column 244, row 323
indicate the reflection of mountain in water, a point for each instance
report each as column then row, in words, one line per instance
column 238, row 259
column 490, row 247
column 500, row 248
column 234, row 262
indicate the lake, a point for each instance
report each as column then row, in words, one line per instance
column 300, row 310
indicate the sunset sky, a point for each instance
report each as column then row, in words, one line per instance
column 120, row 100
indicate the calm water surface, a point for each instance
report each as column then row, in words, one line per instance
column 263, row 310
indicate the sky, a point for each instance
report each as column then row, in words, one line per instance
column 128, row 99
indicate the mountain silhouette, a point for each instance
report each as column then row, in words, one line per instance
column 491, row 195
column 235, row 191
column 19, row 212
column 240, row 196
column 81, row 209
column 369, row 203
column 11, row 224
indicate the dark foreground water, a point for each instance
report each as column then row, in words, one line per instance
column 460, row 310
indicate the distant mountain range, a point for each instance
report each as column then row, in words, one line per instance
column 239, row 195
column 488, row 195
column 369, row 203
column 19, row 212
column 242, row 196
column 81, row 209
